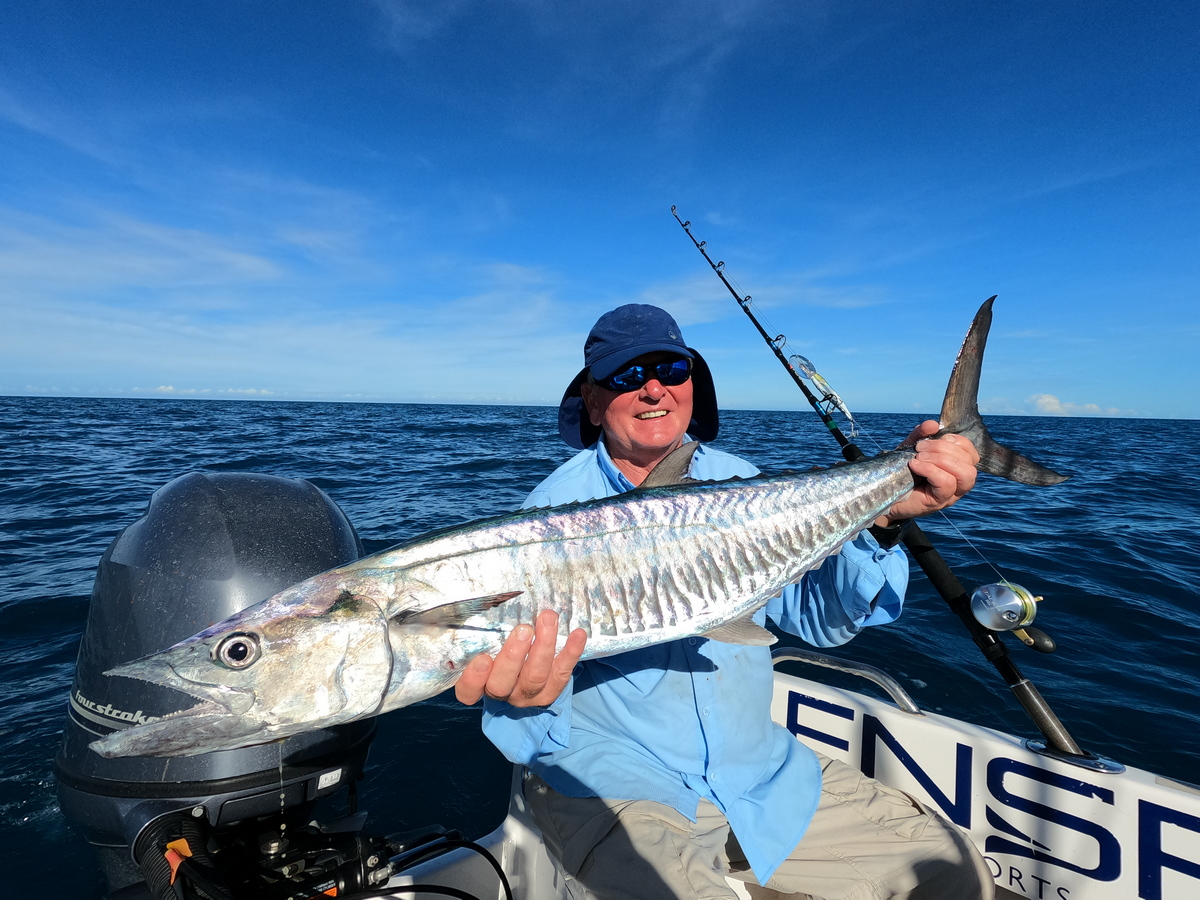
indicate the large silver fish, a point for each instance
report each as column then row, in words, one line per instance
column 670, row 560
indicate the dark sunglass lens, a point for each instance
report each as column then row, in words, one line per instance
column 668, row 373
column 629, row 380
column 673, row 373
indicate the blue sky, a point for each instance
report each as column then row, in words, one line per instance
column 434, row 200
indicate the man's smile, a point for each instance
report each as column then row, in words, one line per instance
column 651, row 414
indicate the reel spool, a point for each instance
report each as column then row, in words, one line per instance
column 1005, row 606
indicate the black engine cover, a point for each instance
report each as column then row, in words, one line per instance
column 209, row 545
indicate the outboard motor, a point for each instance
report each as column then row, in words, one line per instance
column 209, row 545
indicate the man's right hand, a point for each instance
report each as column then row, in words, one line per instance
column 526, row 671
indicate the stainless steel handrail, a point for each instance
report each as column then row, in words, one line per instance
column 880, row 677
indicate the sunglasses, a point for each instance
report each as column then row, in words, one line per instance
column 633, row 377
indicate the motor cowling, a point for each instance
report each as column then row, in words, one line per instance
column 208, row 546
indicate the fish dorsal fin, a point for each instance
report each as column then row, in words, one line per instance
column 673, row 468
column 452, row 614
column 742, row 631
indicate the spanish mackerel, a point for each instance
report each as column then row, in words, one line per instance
column 671, row 560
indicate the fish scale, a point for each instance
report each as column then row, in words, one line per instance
column 711, row 550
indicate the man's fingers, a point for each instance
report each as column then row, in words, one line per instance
column 954, row 448
column 947, row 466
column 939, row 486
column 539, row 662
column 958, row 457
column 561, row 668
column 506, row 668
column 469, row 687
column 566, row 661
column 924, row 430
column 526, row 671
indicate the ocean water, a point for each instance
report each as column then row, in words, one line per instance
column 1115, row 551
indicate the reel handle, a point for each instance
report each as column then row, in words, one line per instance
column 1037, row 639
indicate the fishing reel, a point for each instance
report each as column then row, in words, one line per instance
column 1005, row 606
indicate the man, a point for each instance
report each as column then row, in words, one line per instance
column 657, row 772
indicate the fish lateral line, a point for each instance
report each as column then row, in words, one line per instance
column 671, row 471
column 628, row 500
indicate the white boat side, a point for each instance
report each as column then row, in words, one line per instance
column 1048, row 829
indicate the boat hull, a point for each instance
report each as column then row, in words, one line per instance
column 1048, row 830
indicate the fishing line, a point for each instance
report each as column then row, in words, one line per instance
column 856, row 427
column 987, row 562
column 941, row 513
column 940, row 575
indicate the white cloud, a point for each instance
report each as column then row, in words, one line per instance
column 623, row 58
column 1083, row 178
column 413, row 20
column 171, row 390
column 68, row 128
column 495, row 332
column 41, row 257
column 703, row 298
column 1001, row 406
column 1049, row 405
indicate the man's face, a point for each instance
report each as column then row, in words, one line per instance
column 642, row 425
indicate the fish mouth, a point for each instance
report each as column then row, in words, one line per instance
column 164, row 672
column 215, row 723
column 188, row 732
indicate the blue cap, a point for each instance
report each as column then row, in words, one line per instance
column 618, row 338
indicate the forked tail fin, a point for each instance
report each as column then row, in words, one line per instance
column 960, row 411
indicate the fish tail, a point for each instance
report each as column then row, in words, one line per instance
column 960, row 412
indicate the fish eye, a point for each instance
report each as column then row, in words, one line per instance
column 237, row 651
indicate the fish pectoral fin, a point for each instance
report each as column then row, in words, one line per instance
column 673, row 469
column 742, row 631
column 455, row 613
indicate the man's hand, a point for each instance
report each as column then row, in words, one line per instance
column 526, row 671
column 945, row 470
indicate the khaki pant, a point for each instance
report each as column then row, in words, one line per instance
column 866, row 842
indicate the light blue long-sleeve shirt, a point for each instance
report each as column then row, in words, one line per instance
column 690, row 719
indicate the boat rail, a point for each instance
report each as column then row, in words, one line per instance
column 862, row 670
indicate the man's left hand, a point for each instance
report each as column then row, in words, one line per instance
column 944, row 470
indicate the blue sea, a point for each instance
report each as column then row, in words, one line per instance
column 1115, row 551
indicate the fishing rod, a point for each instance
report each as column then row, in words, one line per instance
column 1058, row 741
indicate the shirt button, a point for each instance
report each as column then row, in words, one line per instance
column 692, row 641
column 705, row 711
